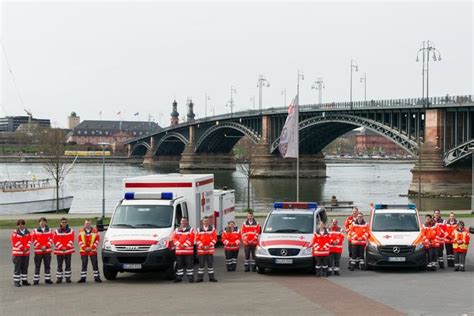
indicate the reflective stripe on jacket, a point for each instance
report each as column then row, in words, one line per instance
column 359, row 233
column 21, row 243
column 250, row 232
column 461, row 240
column 89, row 239
column 336, row 239
column 63, row 241
column 43, row 239
column 183, row 240
column 321, row 244
column 206, row 237
column 231, row 239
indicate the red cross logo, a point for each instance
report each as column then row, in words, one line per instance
column 387, row 236
column 203, row 202
column 301, row 237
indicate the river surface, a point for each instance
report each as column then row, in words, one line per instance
column 362, row 183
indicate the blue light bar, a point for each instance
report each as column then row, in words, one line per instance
column 295, row 205
column 167, row 195
column 277, row 205
column 412, row 206
column 388, row 206
column 378, row 206
column 129, row 195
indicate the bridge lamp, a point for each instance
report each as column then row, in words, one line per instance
column 355, row 67
column 103, row 145
column 262, row 82
column 318, row 85
column 217, row 122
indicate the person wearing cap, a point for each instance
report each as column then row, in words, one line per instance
column 21, row 242
column 43, row 247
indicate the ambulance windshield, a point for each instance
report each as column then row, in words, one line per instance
column 395, row 222
column 290, row 224
column 142, row 216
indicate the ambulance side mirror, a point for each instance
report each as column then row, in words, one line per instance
column 100, row 225
column 471, row 229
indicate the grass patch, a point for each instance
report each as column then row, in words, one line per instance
column 53, row 222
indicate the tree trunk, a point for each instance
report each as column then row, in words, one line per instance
column 248, row 185
column 57, row 196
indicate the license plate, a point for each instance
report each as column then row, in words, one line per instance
column 284, row 261
column 133, row 266
column 396, row 259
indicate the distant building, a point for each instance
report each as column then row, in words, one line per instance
column 73, row 120
column 174, row 114
column 368, row 141
column 10, row 124
column 191, row 114
column 112, row 132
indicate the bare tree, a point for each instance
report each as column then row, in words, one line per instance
column 244, row 151
column 53, row 145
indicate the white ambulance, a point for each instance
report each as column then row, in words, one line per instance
column 224, row 208
column 287, row 236
column 395, row 238
column 138, row 235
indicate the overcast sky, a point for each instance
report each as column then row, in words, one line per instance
column 138, row 56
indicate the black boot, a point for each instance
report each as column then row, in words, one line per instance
column 48, row 281
column 98, row 280
column 247, row 268
column 200, row 278
column 456, row 269
column 177, row 280
column 254, row 268
column 229, row 267
column 36, row 282
column 450, row 263
column 68, row 280
column 441, row 264
column 336, row 272
column 25, row 283
column 82, row 280
column 329, row 272
column 17, row 284
column 212, row 278
column 234, row 266
column 462, row 269
column 59, row 280
column 191, row 280
column 318, row 272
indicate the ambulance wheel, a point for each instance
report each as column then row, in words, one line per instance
column 110, row 274
column 260, row 270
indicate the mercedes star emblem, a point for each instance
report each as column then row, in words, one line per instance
column 396, row 249
column 283, row 252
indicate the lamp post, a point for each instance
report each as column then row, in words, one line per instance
column 103, row 146
column 364, row 79
column 318, row 85
column 426, row 50
column 231, row 102
column 262, row 81
column 356, row 67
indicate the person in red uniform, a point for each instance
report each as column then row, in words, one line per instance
column 88, row 240
column 430, row 242
column 441, row 235
column 206, row 238
column 321, row 241
column 335, row 247
column 21, row 242
column 63, row 239
column 231, row 239
column 359, row 236
column 250, row 232
column 43, row 246
column 347, row 227
column 460, row 245
column 183, row 240
column 451, row 225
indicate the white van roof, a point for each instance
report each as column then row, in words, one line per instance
column 170, row 177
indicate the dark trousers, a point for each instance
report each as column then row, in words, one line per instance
column 95, row 266
column 449, row 253
column 182, row 262
column 358, row 255
column 432, row 255
column 20, row 268
column 322, row 262
column 231, row 258
column 66, row 259
column 249, row 255
column 441, row 254
column 46, row 259
column 203, row 261
column 349, row 248
column 459, row 259
column 334, row 261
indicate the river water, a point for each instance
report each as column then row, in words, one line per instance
column 361, row 183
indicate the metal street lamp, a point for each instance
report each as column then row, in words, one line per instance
column 318, row 85
column 364, row 79
column 262, row 81
column 231, row 102
column 103, row 146
column 355, row 67
column 427, row 48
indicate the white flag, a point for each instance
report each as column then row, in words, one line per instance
column 289, row 141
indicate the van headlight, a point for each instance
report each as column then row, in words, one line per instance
column 419, row 247
column 372, row 246
column 262, row 251
column 107, row 245
column 306, row 252
column 162, row 244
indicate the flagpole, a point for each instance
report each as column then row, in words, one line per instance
column 300, row 75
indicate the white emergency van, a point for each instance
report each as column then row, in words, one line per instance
column 224, row 208
column 138, row 235
column 287, row 235
column 395, row 238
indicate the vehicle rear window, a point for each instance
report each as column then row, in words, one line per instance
column 395, row 222
column 290, row 223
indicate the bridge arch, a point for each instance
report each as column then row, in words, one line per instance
column 458, row 153
column 172, row 143
column 140, row 149
column 333, row 125
column 222, row 137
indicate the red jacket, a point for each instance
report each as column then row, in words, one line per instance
column 440, row 231
column 183, row 240
column 429, row 236
column 43, row 239
column 321, row 244
column 450, row 228
column 206, row 237
column 231, row 239
column 336, row 239
column 21, row 243
column 461, row 240
column 63, row 241
column 89, row 239
column 348, row 226
column 250, row 233
column 359, row 233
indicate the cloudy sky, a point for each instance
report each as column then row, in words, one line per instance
column 132, row 56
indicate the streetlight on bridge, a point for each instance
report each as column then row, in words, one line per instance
column 355, row 67
column 318, row 85
column 207, row 98
column 364, row 79
column 427, row 48
column 231, row 102
column 262, row 81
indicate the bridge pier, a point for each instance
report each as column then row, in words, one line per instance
column 436, row 179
